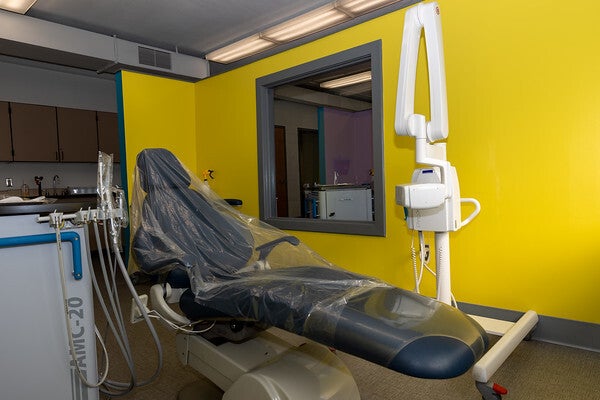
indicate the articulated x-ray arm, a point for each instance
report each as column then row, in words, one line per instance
column 426, row 193
column 425, row 17
column 422, row 17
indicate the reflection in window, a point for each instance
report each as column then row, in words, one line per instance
column 324, row 146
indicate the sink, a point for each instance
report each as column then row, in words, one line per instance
column 79, row 191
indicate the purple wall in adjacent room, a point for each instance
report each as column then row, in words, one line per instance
column 348, row 145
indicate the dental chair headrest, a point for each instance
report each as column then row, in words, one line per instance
column 182, row 226
column 159, row 168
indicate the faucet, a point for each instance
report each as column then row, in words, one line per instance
column 38, row 182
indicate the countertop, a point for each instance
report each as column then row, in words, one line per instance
column 64, row 204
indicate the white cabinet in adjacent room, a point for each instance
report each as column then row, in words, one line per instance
column 347, row 204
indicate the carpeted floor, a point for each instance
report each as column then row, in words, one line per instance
column 536, row 370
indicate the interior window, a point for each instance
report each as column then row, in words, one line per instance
column 321, row 144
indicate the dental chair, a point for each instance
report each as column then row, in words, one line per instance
column 236, row 277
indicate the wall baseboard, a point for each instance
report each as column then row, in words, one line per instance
column 565, row 332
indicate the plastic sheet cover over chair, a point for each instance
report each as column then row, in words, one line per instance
column 242, row 268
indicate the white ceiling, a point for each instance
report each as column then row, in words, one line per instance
column 193, row 27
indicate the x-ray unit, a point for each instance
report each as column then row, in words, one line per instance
column 432, row 200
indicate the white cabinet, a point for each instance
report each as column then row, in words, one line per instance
column 347, row 204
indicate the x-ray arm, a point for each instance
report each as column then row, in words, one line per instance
column 424, row 17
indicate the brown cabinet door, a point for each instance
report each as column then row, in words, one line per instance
column 108, row 134
column 77, row 135
column 5, row 141
column 34, row 132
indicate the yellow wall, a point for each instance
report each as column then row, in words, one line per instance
column 524, row 132
column 524, row 95
column 158, row 112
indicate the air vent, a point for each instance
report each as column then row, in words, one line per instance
column 154, row 58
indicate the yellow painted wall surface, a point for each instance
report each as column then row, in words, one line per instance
column 158, row 112
column 523, row 99
column 524, row 95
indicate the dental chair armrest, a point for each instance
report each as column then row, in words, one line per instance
column 265, row 249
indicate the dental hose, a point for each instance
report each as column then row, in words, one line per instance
column 106, row 386
column 121, row 388
column 114, row 388
column 119, row 338
column 106, row 200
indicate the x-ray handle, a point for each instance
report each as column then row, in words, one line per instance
column 475, row 212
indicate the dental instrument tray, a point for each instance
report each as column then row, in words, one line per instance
column 240, row 268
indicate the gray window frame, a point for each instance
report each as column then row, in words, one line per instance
column 266, row 143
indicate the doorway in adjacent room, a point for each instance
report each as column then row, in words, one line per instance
column 281, row 172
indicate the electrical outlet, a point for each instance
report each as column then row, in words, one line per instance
column 136, row 313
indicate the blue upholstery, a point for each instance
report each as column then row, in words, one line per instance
column 183, row 227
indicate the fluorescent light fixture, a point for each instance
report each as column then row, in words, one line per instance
column 361, row 6
column 18, row 6
column 305, row 24
column 313, row 21
column 240, row 49
column 347, row 80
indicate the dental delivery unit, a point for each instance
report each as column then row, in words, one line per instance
column 260, row 311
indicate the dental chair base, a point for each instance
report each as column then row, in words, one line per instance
column 269, row 367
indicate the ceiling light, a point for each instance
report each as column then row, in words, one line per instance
column 305, row 24
column 362, row 6
column 347, row 80
column 314, row 21
column 240, row 49
column 18, row 6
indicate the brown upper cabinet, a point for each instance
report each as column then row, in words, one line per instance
column 5, row 140
column 34, row 134
column 77, row 138
column 108, row 134
column 56, row 134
